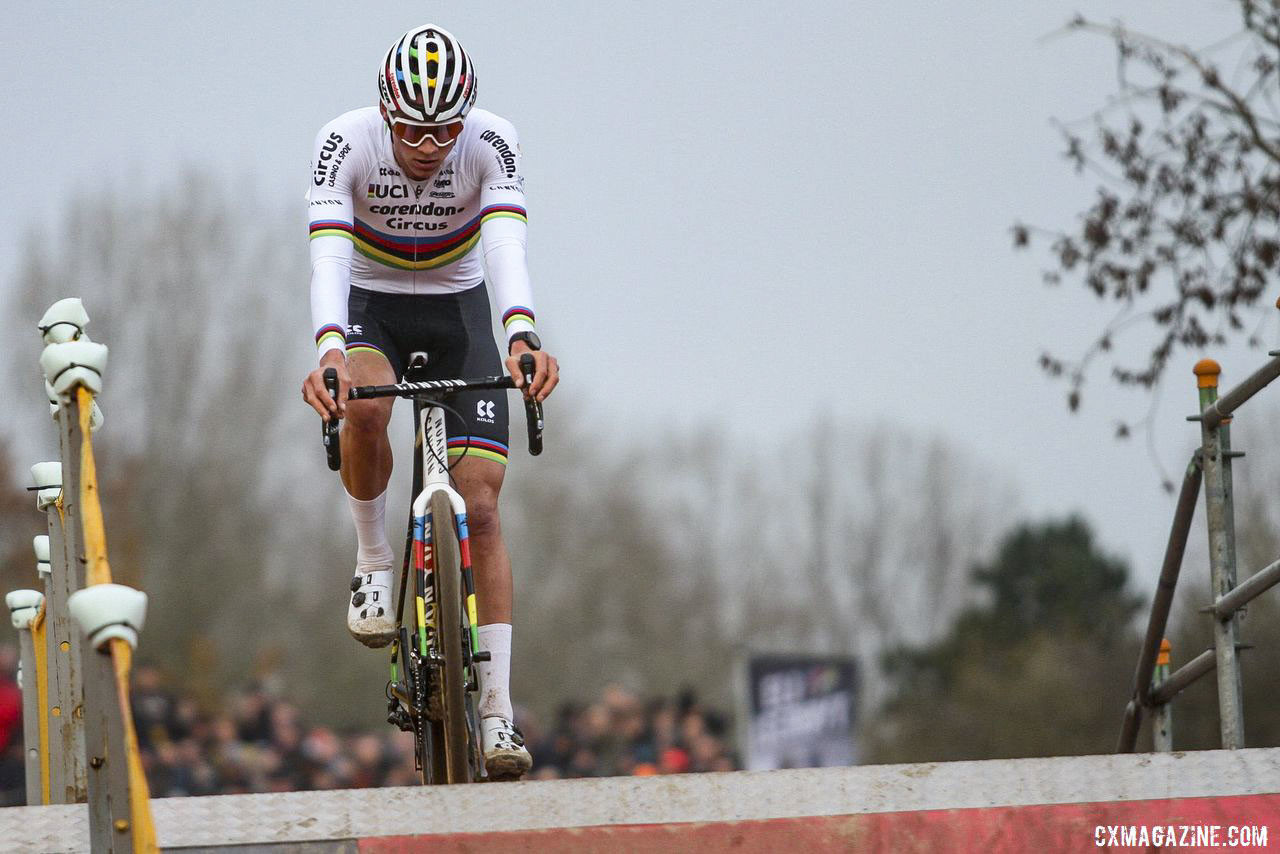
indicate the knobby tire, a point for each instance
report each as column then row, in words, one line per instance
column 448, row 595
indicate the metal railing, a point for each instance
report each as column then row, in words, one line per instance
column 77, row 637
column 1154, row 690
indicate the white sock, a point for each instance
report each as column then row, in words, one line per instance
column 372, row 549
column 495, row 674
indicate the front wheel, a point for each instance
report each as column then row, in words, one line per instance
column 447, row 579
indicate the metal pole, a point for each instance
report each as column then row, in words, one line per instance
column 24, row 608
column 64, row 710
column 108, row 772
column 65, row 632
column 1216, row 445
column 1257, row 584
column 30, row 718
column 1162, row 718
column 1169, row 688
column 1174, row 550
column 1169, row 570
column 1236, row 397
column 1129, row 729
column 1229, row 514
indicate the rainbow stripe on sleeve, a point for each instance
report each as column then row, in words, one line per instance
column 333, row 330
column 516, row 312
column 331, row 228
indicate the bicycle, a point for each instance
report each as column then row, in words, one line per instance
column 433, row 685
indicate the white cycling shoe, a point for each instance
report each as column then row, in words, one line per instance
column 369, row 614
column 505, row 756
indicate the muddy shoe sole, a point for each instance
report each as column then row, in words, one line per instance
column 375, row 639
column 507, row 766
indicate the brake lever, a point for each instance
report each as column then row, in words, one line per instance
column 329, row 433
column 532, row 408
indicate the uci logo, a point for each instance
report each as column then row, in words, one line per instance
column 484, row 410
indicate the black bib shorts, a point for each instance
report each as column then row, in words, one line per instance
column 456, row 332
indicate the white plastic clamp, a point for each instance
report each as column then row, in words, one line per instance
column 47, row 479
column 74, row 363
column 23, row 606
column 40, row 545
column 106, row 611
column 64, row 321
column 95, row 415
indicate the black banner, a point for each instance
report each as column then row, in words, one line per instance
column 800, row 711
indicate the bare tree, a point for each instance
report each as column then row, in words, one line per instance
column 872, row 541
column 1182, row 236
column 838, row 539
column 604, row 591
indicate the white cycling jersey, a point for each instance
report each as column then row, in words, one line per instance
column 373, row 227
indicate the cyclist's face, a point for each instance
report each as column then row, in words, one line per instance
column 420, row 150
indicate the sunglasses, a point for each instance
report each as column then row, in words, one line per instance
column 414, row 135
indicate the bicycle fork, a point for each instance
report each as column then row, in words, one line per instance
column 424, row 592
column 424, row 569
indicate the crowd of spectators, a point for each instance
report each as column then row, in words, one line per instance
column 620, row 734
column 261, row 742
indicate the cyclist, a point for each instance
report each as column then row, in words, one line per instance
column 413, row 204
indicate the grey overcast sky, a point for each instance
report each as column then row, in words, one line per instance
column 780, row 209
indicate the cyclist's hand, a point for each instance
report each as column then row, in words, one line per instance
column 546, row 371
column 314, row 392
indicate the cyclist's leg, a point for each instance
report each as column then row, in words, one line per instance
column 373, row 358
column 478, row 449
column 479, row 481
column 478, row 453
column 366, row 451
column 366, row 469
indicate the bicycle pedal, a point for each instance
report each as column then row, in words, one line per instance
column 482, row 655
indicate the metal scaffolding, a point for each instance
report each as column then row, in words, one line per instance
column 1211, row 463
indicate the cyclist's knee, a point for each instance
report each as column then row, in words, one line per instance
column 482, row 511
column 368, row 417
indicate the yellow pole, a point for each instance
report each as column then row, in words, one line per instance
column 41, row 640
column 144, row 832
column 99, row 572
column 95, row 537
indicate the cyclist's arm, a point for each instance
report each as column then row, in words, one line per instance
column 329, row 210
column 331, row 218
column 503, row 230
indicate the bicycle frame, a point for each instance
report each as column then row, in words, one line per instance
column 435, row 478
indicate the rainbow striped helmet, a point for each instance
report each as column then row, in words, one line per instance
column 427, row 77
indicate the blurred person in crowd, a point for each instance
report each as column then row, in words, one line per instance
column 12, row 765
column 153, row 707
